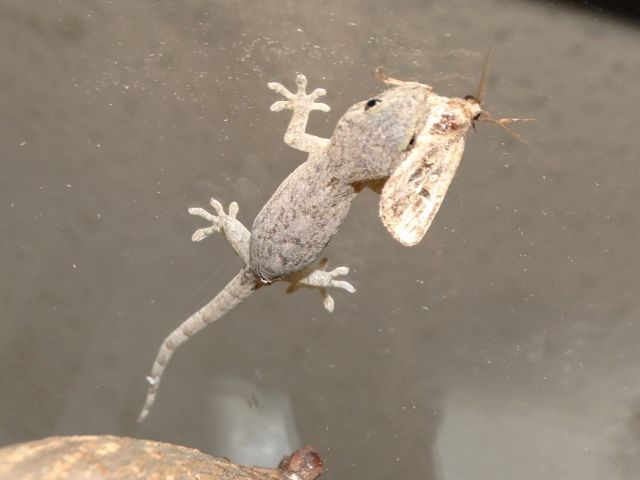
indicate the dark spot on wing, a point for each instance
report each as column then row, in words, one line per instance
column 447, row 123
column 420, row 172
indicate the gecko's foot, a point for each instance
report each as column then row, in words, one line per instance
column 227, row 225
column 299, row 101
column 320, row 279
column 217, row 221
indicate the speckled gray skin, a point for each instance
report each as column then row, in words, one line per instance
column 370, row 141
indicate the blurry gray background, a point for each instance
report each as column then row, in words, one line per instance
column 504, row 345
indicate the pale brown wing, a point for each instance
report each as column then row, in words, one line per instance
column 414, row 192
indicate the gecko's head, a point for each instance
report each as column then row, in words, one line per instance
column 373, row 136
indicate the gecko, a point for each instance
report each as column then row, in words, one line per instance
column 404, row 144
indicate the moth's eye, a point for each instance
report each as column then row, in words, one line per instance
column 372, row 103
column 471, row 98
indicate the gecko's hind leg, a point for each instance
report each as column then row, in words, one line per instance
column 230, row 228
column 320, row 279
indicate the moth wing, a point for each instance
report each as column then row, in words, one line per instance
column 414, row 192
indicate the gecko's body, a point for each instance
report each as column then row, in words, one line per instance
column 307, row 209
column 407, row 124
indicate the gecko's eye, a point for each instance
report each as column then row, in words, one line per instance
column 412, row 142
column 372, row 103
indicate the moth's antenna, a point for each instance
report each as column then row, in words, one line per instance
column 483, row 80
column 490, row 118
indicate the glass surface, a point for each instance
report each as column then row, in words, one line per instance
column 502, row 346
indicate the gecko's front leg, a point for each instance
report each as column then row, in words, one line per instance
column 230, row 228
column 320, row 279
column 301, row 104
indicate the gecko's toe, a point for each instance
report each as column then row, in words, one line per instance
column 344, row 285
column 327, row 301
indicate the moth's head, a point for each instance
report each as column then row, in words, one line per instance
column 372, row 136
column 484, row 116
column 475, row 106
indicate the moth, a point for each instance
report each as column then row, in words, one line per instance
column 414, row 192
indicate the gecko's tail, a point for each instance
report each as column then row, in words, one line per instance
column 239, row 289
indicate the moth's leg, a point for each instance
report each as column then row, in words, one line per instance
column 501, row 122
column 230, row 228
column 320, row 279
column 509, row 120
column 301, row 104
